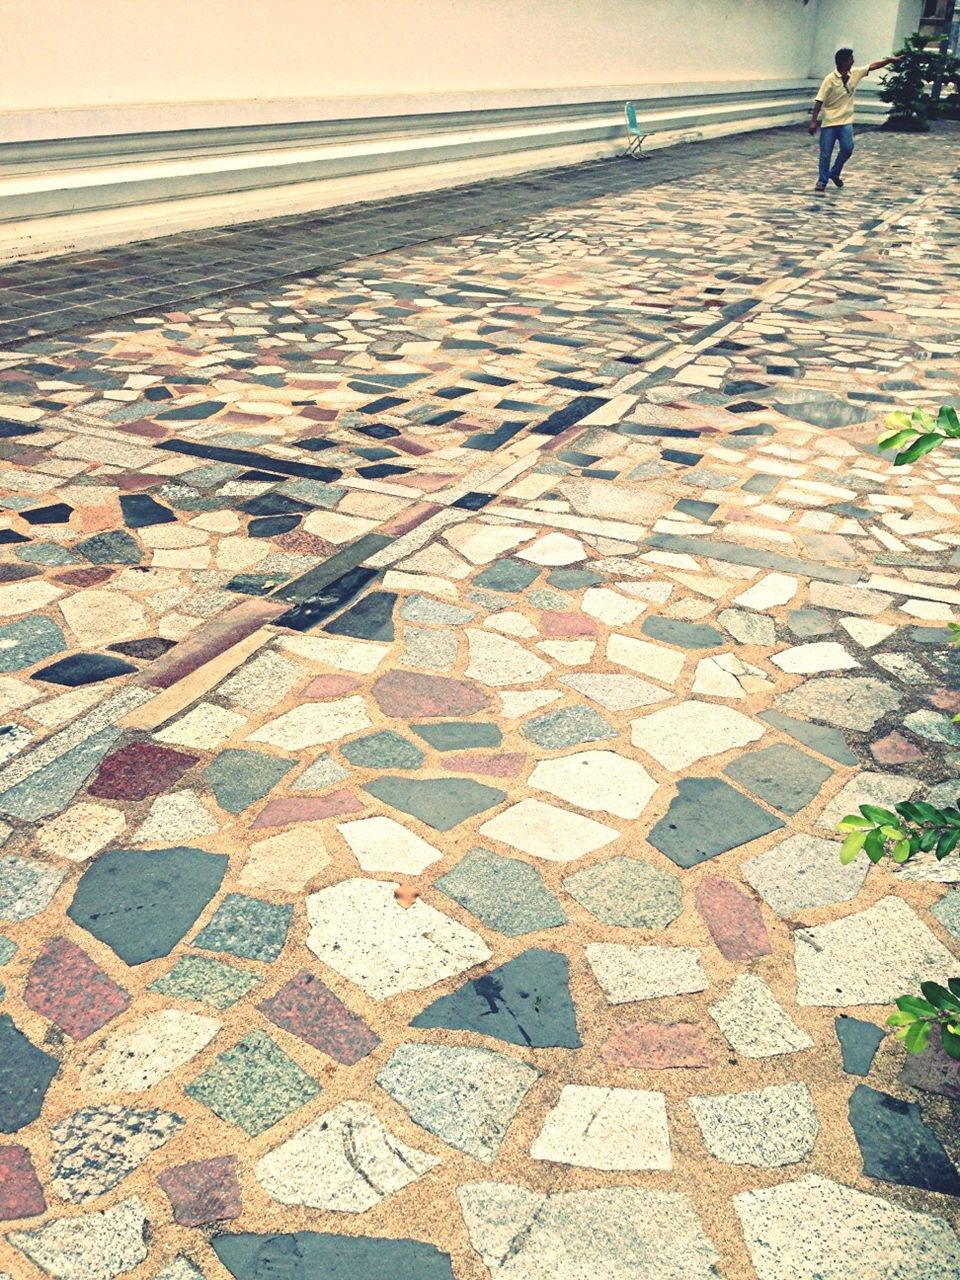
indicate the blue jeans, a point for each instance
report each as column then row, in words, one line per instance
column 830, row 135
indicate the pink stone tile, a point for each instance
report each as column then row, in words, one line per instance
column 895, row 749
column 555, row 625
column 945, row 700
column 733, row 918
column 407, row 693
column 417, row 448
column 204, row 1191
column 329, row 687
column 135, row 481
column 70, row 989
column 216, row 637
column 428, row 481
column 21, row 1195
column 85, row 577
column 280, row 813
column 409, row 519
column 148, row 429
column 139, row 770
column 500, row 765
column 656, row 1046
column 310, row 1010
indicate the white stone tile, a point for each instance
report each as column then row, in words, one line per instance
column 596, row 780
column 645, row 973
column 381, row 844
column 314, row 723
column 766, row 1127
column 678, row 736
column 754, row 1024
column 608, row 1129
column 546, row 831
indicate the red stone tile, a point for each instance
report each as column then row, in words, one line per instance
column 945, row 700
column 500, row 765
column 70, row 989
column 139, row 770
column 409, row 518
column 407, row 693
column 656, row 1046
column 318, row 415
column 212, row 639
column 555, row 625
column 204, row 1191
column 84, row 577
column 895, row 749
column 148, row 429
column 299, row 542
column 308, row 1009
column 135, row 481
column 329, row 686
column 280, row 813
column 21, row 1195
column 415, row 447
column 733, row 919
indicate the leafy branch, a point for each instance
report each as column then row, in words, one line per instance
column 923, row 432
column 916, row 1017
column 914, row 828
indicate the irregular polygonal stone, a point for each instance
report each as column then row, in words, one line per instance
column 97, row 1147
column 868, row 787
column 678, row 736
column 859, row 1042
column 705, row 818
column 772, row 590
column 781, row 776
column 554, row 549
column 360, row 930
column 497, row 661
column 596, row 780
column 346, row 1161
column 769, row 1127
column 124, row 898
column 734, row 919
column 852, row 702
column 206, row 980
column 897, row 1146
column 506, row 894
column 25, row 1075
column 253, row 1084
column 724, row 675
column 548, row 832
column 525, row 1001
column 753, row 1022
column 568, row 727
column 803, row 872
column 645, row 973
column 88, row 1246
column 806, row 659
column 651, row 660
column 69, row 988
column 657, row 1046
column 466, row 1096
column 627, row 892
column 407, row 695
column 608, row 1129
column 314, row 723
column 749, row 628
column 620, row 1233
column 251, row 1257
column 138, row 1057
column 816, row 1229
column 308, row 1009
column 441, row 803
column 26, row 887
column 870, row 957
column 616, row 692
column 380, row 844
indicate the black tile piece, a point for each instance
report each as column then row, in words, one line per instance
column 311, row 583
column 897, row 1146
column 681, row 456
column 18, row 572
column 701, row 511
column 192, row 412
column 577, row 459
column 371, row 618
column 273, row 504
column 124, row 898
column 382, row 470
column 262, row 477
column 745, row 406
column 157, row 393
column 9, row 429
column 56, row 513
column 141, row 511
column 271, row 526
column 743, row 387
column 316, row 444
column 474, row 501
column 597, row 473
column 247, row 458
column 859, row 1042
column 9, row 536
column 83, row 668
column 578, row 408
column 253, row 584
column 488, row 441
column 25, row 1075
column 672, row 433
column 379, row 431
column 334, row 595
column 147, row 649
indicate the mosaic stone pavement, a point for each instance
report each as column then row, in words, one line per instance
column 429, row 694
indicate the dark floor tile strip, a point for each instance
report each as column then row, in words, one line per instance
column 734, row 553
column 247, row 458
column 308, row 586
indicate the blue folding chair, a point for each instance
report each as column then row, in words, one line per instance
column 635, row 134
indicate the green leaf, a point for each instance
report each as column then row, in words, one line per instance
column 852, row 846
column 927, row 839
column 909, row 811
column 947, row 843
column 954, row 985
column 875, row 846
column 925, row 444
column 902, row 851
column 927, row 812
column 939, row 996
column 951, row 1043
column 892, row 833
column 852, row 823
column 900, row 1019
column 917, row 1037
column 878, row 815
column 897, row 439
column 897, row 421
column 921, row 418
column 948, row 420
column 915, row 1006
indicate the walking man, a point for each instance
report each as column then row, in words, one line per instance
column 835, row 101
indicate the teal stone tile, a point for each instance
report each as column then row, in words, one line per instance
column 781, row 776
column 947, row 911
column 307, row 1255
column 686, row 635
column 321, row 774
column 239, row 779
column 117, row 547
column 441, row 803
column 568, row 727
column 207, row 981
column 458, row 735
column 383, row 750
column 8, row 949
column 48, row 553
column 253, row 1085
column 626, row 892
column 504, row 893
column 247, row 927
column 29, row 640
column 573, row 579
column 544, row 599
column 507, row 575
column 50, row 789
column 829, row 742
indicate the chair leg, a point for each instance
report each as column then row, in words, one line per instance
column 634, row 145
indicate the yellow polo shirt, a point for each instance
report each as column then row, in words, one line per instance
column 837, row 97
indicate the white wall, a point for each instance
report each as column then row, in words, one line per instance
column 70, row 53
column 871, row 28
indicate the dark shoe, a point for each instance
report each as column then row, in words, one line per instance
column 837, row 182
column 819, row 189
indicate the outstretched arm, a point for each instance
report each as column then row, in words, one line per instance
column 884, row 62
